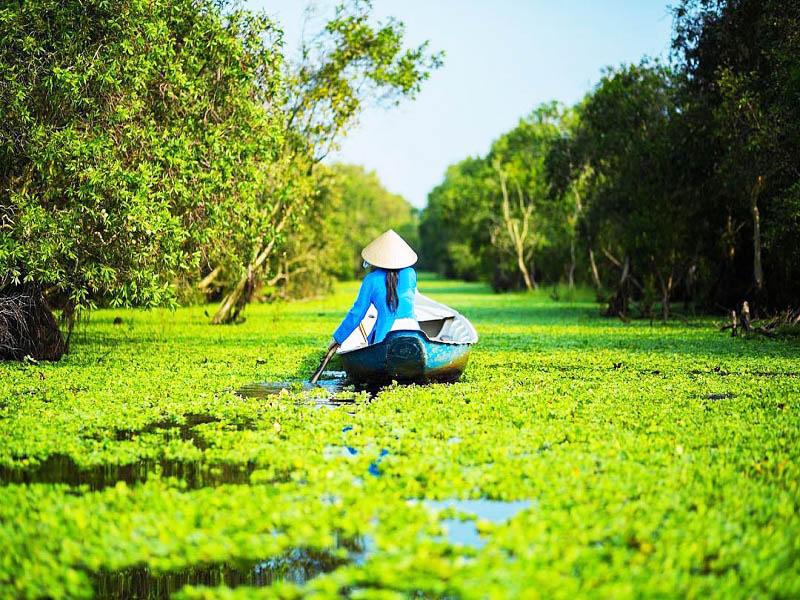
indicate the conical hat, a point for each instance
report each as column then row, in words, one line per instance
column 389, row 251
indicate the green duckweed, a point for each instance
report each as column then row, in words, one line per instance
column 653, row 460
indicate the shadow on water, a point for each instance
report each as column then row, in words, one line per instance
column 296, row 566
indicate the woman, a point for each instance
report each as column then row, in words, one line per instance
column 390, row 287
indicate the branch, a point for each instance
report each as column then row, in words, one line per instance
column 209, row 279
column 526, row 211
column 611, row 257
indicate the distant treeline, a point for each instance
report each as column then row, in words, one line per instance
column 668, row 182
column 154, row 150
column 351, row 209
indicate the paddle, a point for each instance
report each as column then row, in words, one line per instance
column 331, row 351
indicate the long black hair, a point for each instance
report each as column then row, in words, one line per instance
column 391, row 290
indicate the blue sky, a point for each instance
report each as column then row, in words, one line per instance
column 503, row 57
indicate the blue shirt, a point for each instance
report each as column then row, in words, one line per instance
column 373, row 291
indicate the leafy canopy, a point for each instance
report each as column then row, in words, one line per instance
column 133, row 142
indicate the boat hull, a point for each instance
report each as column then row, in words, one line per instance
column 406, row 357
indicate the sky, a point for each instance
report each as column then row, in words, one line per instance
column 502, row 58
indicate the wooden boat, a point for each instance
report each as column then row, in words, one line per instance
column 435, row 351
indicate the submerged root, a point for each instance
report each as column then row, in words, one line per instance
column 28, row 327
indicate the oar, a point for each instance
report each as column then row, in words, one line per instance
column 324, row 363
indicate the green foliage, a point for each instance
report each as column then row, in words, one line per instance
column 451, row 234
column 659, row 460
column 134, row 143
column 742, row 59
column 665, row 182
column 629, row 144
column 147, row 144
column 491, row 216
column 346, row 208
column 350, row 64
column 367, row 209
column 353, row 62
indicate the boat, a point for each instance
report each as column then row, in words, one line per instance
column 435, row 352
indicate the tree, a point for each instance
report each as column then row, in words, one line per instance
column 518, row 157
column 454, row 232
column 135, row 142
column 350, row 63
column 683, row 179
column 349, row 207
column 368, row 210
column 742, row 58
column 516, row 224
column 629, row 141
column 568, row 179
column 491, row 216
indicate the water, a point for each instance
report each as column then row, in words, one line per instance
column 62, row 468
column 333, row 389
column 330, row 384
column 464, row 532
column 459, row 532
column 183, row 430
column 296, row 566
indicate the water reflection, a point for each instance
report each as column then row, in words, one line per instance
column 61, row 468
column 296, row 566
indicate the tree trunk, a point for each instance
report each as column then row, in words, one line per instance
column 523, row 268
column 618, row 305
column 206, row 282
column 517, row 237
column 571, row 271
column 27, row 326
column 691, row 280
column 666, row 294
column 595, row 273
column 746, row 316
column 235, row 300
column 758, row 273
column 731, row 237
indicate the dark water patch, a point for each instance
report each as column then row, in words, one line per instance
column 296, row 566
column 62, row 469
column 182, row 430
column 330, row 383
column 318, row 394
column 333, row 389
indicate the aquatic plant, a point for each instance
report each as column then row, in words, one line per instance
column 655, row 460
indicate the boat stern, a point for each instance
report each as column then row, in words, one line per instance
column 406, row 357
